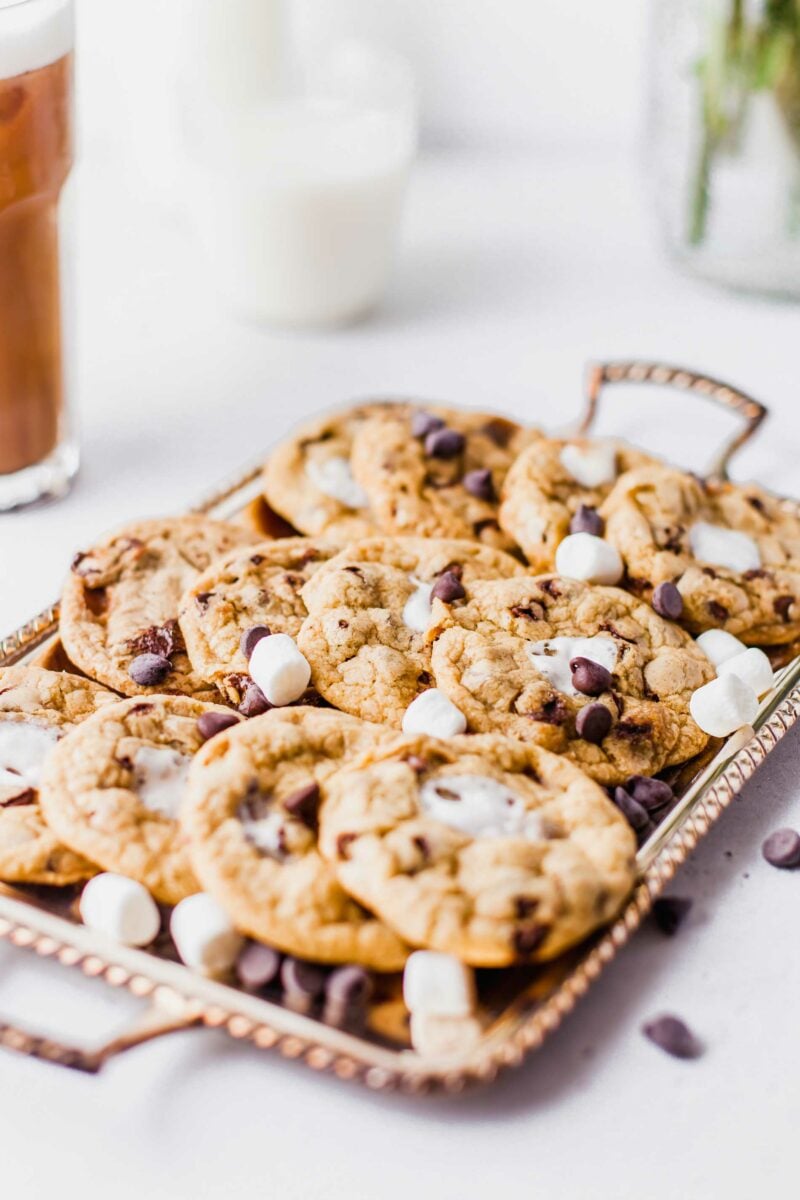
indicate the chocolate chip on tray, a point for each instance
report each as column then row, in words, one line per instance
column 782, row 849
column 673, row 1036
column 148, row 670
column 423, row 423
column 587, row 520
column 635, row 814
column 479, row 483
column 212, row 723
column 652, row 794
column 348, row 987
column 257, row 966
column 448, row 587
column 302, row 979
column 251, row 637
column 669, row 913
column 593, row 723
column 667, row 601
column 589, row 677
column 444, row 443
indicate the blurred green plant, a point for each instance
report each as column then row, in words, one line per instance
column 751, row 47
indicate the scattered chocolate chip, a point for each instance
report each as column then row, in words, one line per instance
column 304, row 804
column 479, row 483
column 148, row 670
column 500, row 431
column 348, row 987
column 673, row 1036
column 253, row 702
column 757, row 573
column 444, row 443
column 528, row 938
column 669, row 912
column 202, row 600
column 633, row 812
column 22, row 798
column 423, row 678
column 421, row 844
column 782, row 848
column 552, row 712
column 96, row 600
column 423, row 423
column 528, row 612
column 524, row 906
column 448, row 588
column 718, row 611
column 257, row 559
column 667, row 601
column 302, row 978
column 251, row 637
column 144, row 706
column 782, row 604
column 551, row 587
column 634, row 729
column 610, row 627
column 587, row 520
column 757, row 503
column 343, row 843
column 652, row 794
column 212, row 723
column 589, row 677
column 158, row 639
column 593, row 723
column 257, row 966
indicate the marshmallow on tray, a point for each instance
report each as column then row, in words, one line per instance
column 434, row 714
column 717, row 645
column 436, row 1036
column 204, row 936
column 753, row 667
column 724, row 705
column 279, row 669
column 121, row 908
column 584, row 556
column 438, row 985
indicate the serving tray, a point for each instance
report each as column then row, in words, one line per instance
column 519, row 1007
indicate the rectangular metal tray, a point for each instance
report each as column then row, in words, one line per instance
column 520, row 1007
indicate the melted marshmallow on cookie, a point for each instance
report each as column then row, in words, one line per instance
column 724, row 547
column 417, row 608
column 159, row 777
column 552, row 657
column 24, row 746
column 333, row 477
column 591, row 466
column 478, row 806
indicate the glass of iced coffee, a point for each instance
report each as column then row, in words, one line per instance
column 38, row 454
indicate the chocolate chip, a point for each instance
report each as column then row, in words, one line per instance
column 348, row 987
column 593, row 723
column 500, row 431
column 212, row 723
column 448, row 588
column 479, row 483
column 251, row 637
column 667, row 601
column 479, row 527
column 634, row 729
column 782, row 848
column 148, row 670
column 552, row 712
column 528, row 612
column 422, row 845
column 444, row 443
column 29, row 796
column 669, row 913
column 718, row 611
column 525, row 905
column 343, row 843
column 652, row 794
column 158, row 639
column 589, row 677
column 257, row 966
column 782, row 604
column 302, row 978
column 528, row 938
column 303, row 804
column 202, row 600
column 423, row 423
column 673, row 1036
column 587, row 520
column 633, row 812
column 253, row 702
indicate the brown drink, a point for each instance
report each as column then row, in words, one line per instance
column 36, row 153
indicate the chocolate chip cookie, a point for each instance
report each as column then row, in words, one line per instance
column 37, row 707
column 555, row 487
column 586, row 671
column 252, row 813
column 366, row 636
column 732, row 552
column 120, row 604
column 111, row 789
column 258, row 586
column 481, row 847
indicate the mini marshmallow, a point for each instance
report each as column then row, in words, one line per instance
column 438, row 985
column 203, row 935
column 417, row 608
column 443, row 1036
column 753, row 667
column 724, row 547
column 718, row 646
column 724, row 705
column 584, row 556
column 121, row 908
column 333, row 477
column 279, row 669
column 434, row 714
column 590, row 465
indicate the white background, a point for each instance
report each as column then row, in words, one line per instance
column 528, row 250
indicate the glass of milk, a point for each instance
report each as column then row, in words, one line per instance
column 297, row 196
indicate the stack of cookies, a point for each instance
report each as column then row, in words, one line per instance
column 435, row 716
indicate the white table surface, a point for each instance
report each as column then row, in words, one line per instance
column 514, row 273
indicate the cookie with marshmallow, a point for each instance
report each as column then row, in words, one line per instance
column 477, row 847
column 731, row 550
column 556, row 487
column 372, row 611
column 588, row 671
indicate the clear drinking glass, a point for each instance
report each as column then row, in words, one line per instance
column 38, row 454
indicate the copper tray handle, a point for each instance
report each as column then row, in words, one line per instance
column 635, row 371
column 154, row 1023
